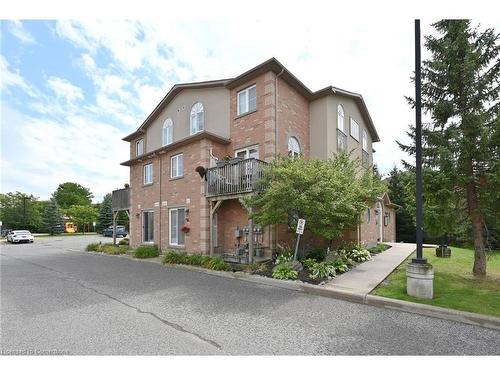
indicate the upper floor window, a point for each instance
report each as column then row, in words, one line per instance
column 177, row 166
column 139, row 147
column 197, row 118
column 248, row 152
column 148, row 174
column 354, row 129
column 168, row 127
column 293, row 147
column 340, row 118
column 365, row 141
column 247, row 100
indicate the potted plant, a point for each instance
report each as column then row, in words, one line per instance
column 185, row 229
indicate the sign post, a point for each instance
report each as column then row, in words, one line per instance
column 93, row 224
column 300, row 231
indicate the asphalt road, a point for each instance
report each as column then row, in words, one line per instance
column 56, row 298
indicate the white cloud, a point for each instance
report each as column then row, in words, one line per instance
column 49, row 152
column 64, row 89
column 16, row 28
column 11, row 78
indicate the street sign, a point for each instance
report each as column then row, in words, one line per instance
column 300, row 226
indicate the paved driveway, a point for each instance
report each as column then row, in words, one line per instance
column 55, row 297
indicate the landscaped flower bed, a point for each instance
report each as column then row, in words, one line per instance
column 316, row 268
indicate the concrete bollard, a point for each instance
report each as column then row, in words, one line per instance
column 420, row 280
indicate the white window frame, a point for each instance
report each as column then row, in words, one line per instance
column 194, row 123
column 354, row 129
column 341, row 118
column 365, row 140
column 167, row 132
column 139, row 147
column 293, row 152
column 246, row 94
column 147, row 174
column 247, row 151
column 174, row 160
column 143, row 226
column 178, row 227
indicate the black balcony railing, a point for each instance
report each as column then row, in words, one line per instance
column 341, row 141
column 365, row 160
column 243, row 176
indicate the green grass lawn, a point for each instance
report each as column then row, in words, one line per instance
column 454, row 285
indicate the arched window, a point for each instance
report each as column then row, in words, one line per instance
column 293, row 147
column 340, row 118
column 197, row 118
column 368, row 215
column 167, row 132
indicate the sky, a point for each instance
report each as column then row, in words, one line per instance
column 74, row 84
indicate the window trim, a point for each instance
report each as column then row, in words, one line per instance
column 247, row 151
column 364, row 144
column 341, row 114
column 170, row 210
column 292, row 152
column 176, row 157
column 166, row 125
column 196, row 116
column 144, row 182
column 351, row 121
column 247, row 104
column 137, row 143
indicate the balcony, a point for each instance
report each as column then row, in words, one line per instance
column 121, row 199
column 236, row 177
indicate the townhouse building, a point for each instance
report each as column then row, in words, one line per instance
column 184, row 192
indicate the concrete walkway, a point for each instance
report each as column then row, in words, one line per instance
column 365, row 277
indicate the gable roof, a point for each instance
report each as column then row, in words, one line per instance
column 270, row 65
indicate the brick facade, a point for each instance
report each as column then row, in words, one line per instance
column 285, row 112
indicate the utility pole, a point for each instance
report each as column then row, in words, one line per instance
column 419, row 273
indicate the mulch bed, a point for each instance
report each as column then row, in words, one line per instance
column 268, row 272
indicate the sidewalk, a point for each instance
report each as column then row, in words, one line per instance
column 362, row 279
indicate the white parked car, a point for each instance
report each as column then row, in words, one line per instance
column 17, row 236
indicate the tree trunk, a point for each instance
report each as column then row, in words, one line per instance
column 479, row 268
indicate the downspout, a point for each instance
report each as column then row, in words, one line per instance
column 276, row 134
column 159, row 244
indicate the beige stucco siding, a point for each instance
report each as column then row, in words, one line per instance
column 216, row 110
column 323, row 126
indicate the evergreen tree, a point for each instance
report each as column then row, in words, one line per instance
column 52, row 216
column 401, row 190
column 105, row 213
column 460, row 91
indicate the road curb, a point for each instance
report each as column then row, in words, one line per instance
column 480, row 320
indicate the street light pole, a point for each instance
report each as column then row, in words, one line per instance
column 418, row 148
column 419, row 273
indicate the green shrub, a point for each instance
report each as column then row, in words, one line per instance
column 353, row 253
column 308, row 262
column 147, row 251
column 175, row 257
column 339, row 266
column 93, row 246
column 284, row 258
column 217, row 264
column 284, row 271
column 205, row 261
column 113, row 250
column 124, row 241
column 317, row 254
column 378, row 249
column 321, row 270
